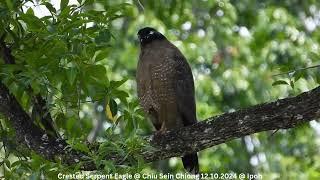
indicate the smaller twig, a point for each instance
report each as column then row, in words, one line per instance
column 273, row 133
column 77, row 8
column 300, row 69
column 140, row 7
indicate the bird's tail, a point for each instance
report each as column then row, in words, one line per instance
column 190, row 163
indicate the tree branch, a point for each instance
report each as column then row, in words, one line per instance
column 39, row 104
column 27, row 133
column 281, row 114
column 295, row 70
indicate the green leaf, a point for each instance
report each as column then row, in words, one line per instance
column 9, row 4
column 298, row 75
column 113, row 107
column 57, row 49
column 30, row 11
column 50, row 7
column 284, row 68
column 75, row 24
column 35, row 86
column 63, row 4
column 292, row 84
column 134, row 104
column 139, row 111
column 65, row 13
column 103, row 37
column 102, row 54
column 96, row 73
column 318, row 79
column 109, row 166
column 81, row 147
column 130, row 122
column 280, row 82
column 122, row 95
column 71, row 75
column 7, row 162
column 16, row 163
column 33, row 22
column 60, row 119
column 116, row 84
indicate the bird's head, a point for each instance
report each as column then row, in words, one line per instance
column 148, row 34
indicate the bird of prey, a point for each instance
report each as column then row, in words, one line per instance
column 165, row 87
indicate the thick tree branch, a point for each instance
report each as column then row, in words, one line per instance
column 281, row 114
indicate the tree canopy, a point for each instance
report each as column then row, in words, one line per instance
column 67, row 83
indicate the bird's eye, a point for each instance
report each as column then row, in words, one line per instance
column 151, row 32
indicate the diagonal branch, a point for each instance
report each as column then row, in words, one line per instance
column 281, row 114
column 39, row 104
column 28, row 134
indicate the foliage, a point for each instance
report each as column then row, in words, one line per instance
column 81, row 57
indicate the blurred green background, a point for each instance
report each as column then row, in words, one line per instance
column 82, row 55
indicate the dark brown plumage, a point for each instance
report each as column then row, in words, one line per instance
column 165, row 87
